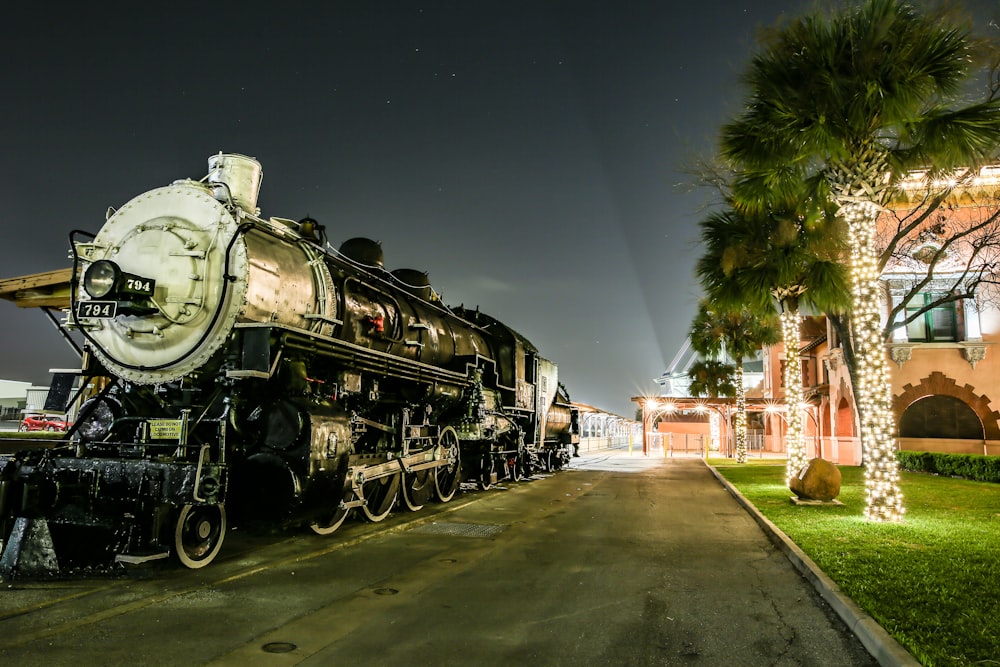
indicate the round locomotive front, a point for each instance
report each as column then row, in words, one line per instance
column 172, row 271
column 162, row 283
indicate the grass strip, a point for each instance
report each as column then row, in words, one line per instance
column 932, row 581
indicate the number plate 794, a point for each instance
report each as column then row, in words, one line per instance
column 98, row 309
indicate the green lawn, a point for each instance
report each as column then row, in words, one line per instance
column 31, row 435
column 933, row 581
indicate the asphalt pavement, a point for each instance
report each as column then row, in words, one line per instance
column 622, row 560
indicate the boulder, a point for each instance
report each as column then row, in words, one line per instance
column 817, row 480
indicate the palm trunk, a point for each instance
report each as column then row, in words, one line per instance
column 794, row 440
column 872, row 391
column 741, row 415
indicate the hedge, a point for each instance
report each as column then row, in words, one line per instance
column 969, row 466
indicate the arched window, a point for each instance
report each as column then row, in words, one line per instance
column 940, row 416
column 845, row 419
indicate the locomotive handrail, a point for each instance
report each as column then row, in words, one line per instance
column 197, row 475
column 320, row 316
column 388, row 278
column 375, row 359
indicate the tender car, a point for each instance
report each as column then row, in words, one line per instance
column 43, row 423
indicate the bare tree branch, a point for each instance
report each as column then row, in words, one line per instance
column 946, row 243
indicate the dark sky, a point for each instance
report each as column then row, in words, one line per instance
column 531, row 156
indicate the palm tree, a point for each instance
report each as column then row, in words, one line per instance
column 740, row 333
column 784, row 255
column 857, row 100
column 712, row 378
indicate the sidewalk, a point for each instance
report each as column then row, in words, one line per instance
column 879, row 643
column 886, row 650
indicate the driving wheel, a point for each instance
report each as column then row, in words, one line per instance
column 417, row 489
column 333, row 521
column 447, row 478
column 487, row 467
column 380, row 496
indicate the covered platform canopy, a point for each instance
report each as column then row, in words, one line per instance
column 50, row 289
column 725, row 407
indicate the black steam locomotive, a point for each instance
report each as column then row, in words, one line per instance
column 238, row 364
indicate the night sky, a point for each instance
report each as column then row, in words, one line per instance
column 532, row 157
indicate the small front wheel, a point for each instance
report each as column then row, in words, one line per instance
column 198, row 534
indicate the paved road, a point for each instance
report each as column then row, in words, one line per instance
column 619, row 561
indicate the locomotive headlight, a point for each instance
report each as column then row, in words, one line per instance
column 105, row 280
column 100, row 278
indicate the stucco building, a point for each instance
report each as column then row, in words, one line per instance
column 943, row 366
column 943, row 363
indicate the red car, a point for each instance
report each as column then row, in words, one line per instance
column 43, row 423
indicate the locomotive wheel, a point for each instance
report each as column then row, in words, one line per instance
column 327, row 525
column 517, row 468
column 417, row 489
column 380, row 495
column 198, row 534
column 447, row 478
column 487, row 466
column 527, row 463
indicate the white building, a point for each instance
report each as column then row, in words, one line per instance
column 13, row 398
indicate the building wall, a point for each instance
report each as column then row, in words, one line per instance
column 952, row 374
column 12, row 399
column 946, row 395
column 932, row 370
column 684, row 427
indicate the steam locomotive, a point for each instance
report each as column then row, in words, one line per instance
column 239, row 365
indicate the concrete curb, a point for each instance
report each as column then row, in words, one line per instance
column 879, row 643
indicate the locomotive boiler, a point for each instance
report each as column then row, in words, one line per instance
column 239, row 368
